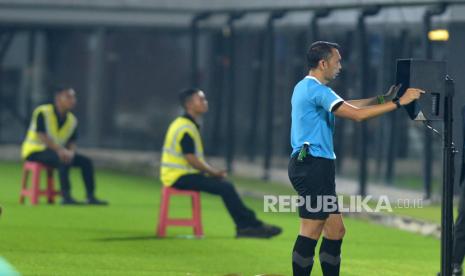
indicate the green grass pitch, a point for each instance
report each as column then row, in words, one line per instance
column 119, row 239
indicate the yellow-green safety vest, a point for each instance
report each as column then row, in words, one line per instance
column 173, row 163
column 60, row 136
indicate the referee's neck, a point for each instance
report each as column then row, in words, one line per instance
column 318, row 75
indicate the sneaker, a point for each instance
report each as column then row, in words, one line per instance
column 94, row 201
column 70, row 201
column 457, row 270
column 263, row 231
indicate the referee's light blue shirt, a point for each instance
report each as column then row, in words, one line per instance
column 312, row 119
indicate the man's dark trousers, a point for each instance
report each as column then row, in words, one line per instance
column 242, row 216
column 50, row 157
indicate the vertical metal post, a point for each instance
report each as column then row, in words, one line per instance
column 317, row 15
column 364, row 78
column 219, row 68
column 194, row 46
column 462, row 170
column 257, row 66
column 299, row 65
column 270, row 91
column 428, row 139
column 231, row 129
column 448, row 182
column 38, row 71
column 6, row 39
column 30, row 66
column 95, row 75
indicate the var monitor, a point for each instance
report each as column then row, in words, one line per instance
column 429, row 76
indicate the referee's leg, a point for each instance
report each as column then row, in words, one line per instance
column 304, row 247
column 330, row 249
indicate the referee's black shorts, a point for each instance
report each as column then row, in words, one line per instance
column 314, row 179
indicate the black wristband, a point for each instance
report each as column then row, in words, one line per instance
column 397, row 102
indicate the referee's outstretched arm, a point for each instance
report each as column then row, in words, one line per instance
column 349, row 111
column 389, row 96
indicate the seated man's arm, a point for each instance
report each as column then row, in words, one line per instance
column 49, row 142
column 188, row 149
column 71, row 145
column 203, row 166
column 65, row 155
column 42, row 133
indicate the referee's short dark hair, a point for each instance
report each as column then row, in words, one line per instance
column 320, row 50
column 186, row 95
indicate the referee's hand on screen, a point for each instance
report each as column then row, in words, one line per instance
column 347, row 110
column 392, row 92
column 410, row 95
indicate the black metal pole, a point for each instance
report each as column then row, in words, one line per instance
column 299, row 67
column 30, row 64
column 6, row 39
column 428, row 139
column 257, row 67
column 462, row 170
column 194, row 41
column 448, row 182
column 270, row 95
column 219, row 67
column 194, row 46
column 230, row 145
column 364, row 79
column 315, row 31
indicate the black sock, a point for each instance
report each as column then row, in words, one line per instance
column 302, row 256
column 330, row 257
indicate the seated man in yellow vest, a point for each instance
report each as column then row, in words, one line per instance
column 183, row 167
column 51, row 140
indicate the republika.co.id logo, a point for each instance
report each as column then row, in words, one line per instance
column 327, row 203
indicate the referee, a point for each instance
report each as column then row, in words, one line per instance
column 311, row 167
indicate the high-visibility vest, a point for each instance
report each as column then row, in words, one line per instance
column 173, row 163
column 60, row 136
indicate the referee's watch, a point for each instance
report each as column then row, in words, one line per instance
column 397, row 102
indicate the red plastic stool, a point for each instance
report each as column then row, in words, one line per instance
column 164, row 221
column 34, row 191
